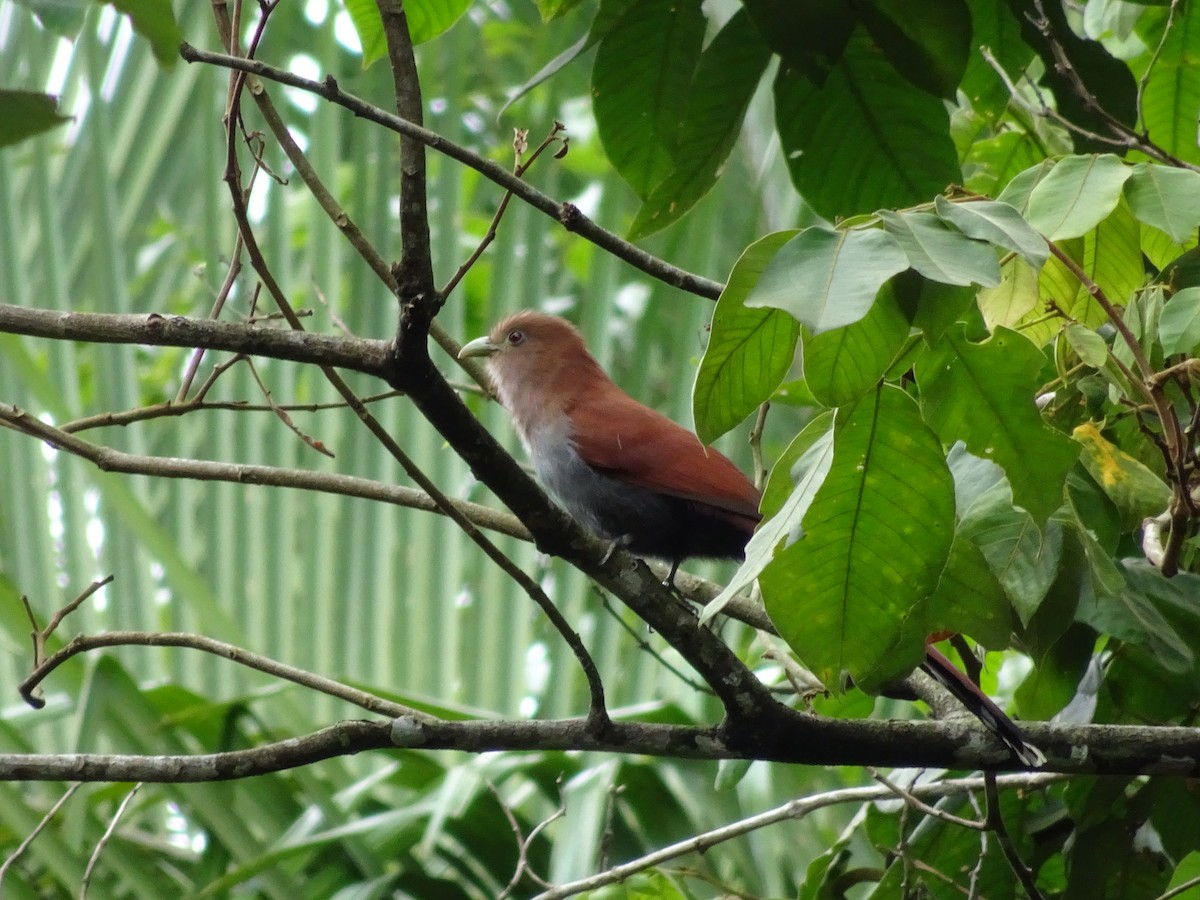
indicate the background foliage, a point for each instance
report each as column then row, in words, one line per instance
column 750, row 143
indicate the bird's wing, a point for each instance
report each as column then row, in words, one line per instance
column 617, row 435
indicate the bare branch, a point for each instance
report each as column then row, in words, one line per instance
column 85, row 643
column 565, row 213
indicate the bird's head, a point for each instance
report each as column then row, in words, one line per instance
column 537, row 363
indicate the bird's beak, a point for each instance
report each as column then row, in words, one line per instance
column 481, row 346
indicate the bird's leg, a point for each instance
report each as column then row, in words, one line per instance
column 670, row 582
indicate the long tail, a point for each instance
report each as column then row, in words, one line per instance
column 981, row 706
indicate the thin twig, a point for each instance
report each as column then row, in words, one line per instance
column 920, row 806
column 795, row 809
column 995, row 821
column 519, row 170
column 24, row 845
column 103, row 842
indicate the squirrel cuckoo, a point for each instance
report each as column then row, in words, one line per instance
column 632, row 476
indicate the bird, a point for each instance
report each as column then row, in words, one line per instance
column 637, row 479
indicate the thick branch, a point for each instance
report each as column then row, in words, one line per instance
column 154, row 330
column 1085, row 749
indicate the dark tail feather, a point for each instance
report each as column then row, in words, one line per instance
column 981, row 706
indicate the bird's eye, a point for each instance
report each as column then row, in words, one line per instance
column 516, row 338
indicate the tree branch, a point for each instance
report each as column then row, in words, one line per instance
column 565, row 214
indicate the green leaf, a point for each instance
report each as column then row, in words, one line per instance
column 1165, row 198
column 728, row 74
column 826, row 278
column 1096, row 524
column 1186, row 872
column 1016, row 193
column 1023, row 557
column 1133, row 616
column 429, row 18
column 1134, row 489
column 941, row 253
column 640, row 87
column 843, row 364
column 1092, row 349
column 865, row 139
column 63, row 17
column 26, row 113
column 1172, row 93
column 809, row 37
column 927, row 43
column 997, row 223
column 1112, row 258
column 1013, row 299
column 154, row 20
column 1179, row 326
column 937, row 306
column 368, row 25
column 969, row 598
column 749, row 351
column 845, row 596
column 552, row 9
column 983, row 395
column 1079, row 193
column 794, row 482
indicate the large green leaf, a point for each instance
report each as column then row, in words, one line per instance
column 826, row 278
column 1165, row 198
column 729, row 71
column 1077, row 195
column 809, row 37
column 864, row 139
column 1023, row 557
column 1172, row 93
column 876, row 539
column 1112, row 259
column 749, row 351
column 927, row 43
column 641, row 82
column 982, row 394
column 843, row 364
column 942, row 253
column 1014, row 298
column 1133, row 615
